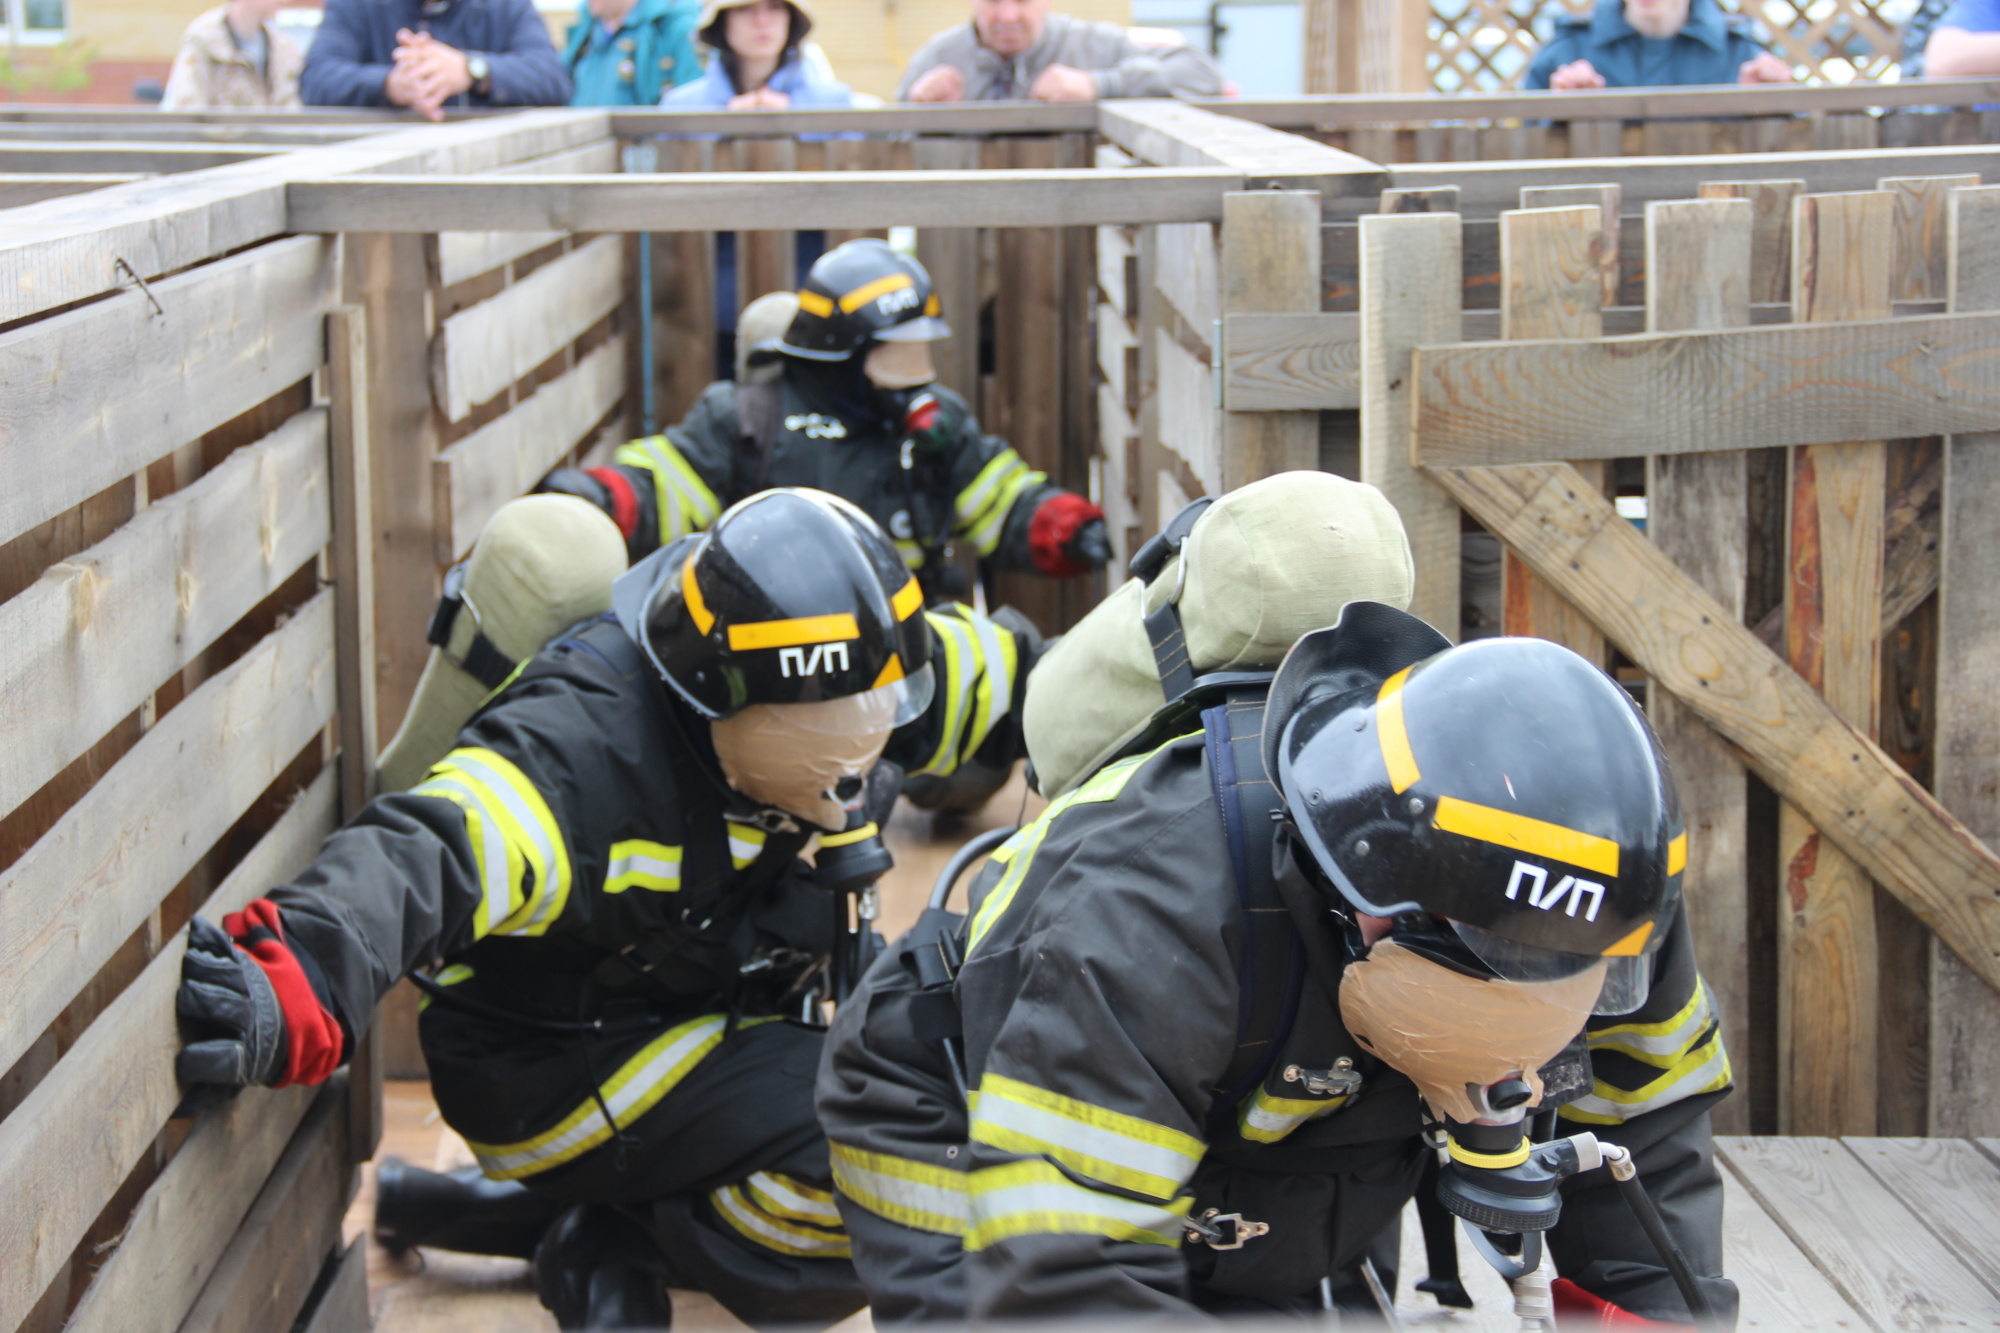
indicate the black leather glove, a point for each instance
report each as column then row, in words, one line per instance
column 232, row 1011
column 1090, row 545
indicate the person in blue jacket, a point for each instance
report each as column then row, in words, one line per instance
column 1652, row 44
column 631, row 52
column 433, row 55
column 760, row 61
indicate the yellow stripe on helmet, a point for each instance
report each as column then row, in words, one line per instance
column 704, row 620
column 815, row 304
column 793, row 633
column 868, row 291
column 1533, row 836
column 1397, row 755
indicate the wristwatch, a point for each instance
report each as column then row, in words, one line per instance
column 481, row 72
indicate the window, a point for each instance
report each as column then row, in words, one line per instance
column 34, row 22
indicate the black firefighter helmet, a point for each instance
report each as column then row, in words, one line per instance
column 863, row 292
column 792, row 596
column 1505, row 786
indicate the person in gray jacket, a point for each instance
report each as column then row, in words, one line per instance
column 1015, row 50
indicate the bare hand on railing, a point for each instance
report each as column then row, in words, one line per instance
column 1576, row 76
column 760, row 99
column 1766, row 68
column 1060, row 83
column 426, row 74
column 945, row 83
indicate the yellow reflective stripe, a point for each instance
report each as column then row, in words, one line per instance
column 1104, row 1144
column 1660, row 1044
column 1705, row 1070
column 912, row 552
column 1104, row 785
column 697, row 605
column 530, row 827
column 907, row 602
column 797, row 633
column 912, row 1194
column 815, row 304
column 638, row 864
column 1267, row 1119
column 972, row 502
column 1035, row 1199
column 960, row 665
column 1394, row 736
column 995, row 695
column 684, row 501
column 774, row 1233
column 746, row 843
column 984, row 531
column 1504, row 828
column 868, row 291
column 498, row 861
column 447, row 976
column 631, row 1092
column 1677, row 854
column 782, row 1196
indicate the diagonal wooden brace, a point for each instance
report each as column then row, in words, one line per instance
column 1838, row 778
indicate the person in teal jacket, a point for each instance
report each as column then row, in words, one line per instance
column 1652, row 44
column 631, row 52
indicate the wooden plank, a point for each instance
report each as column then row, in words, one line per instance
column 1736, row 389
column 184, row 1221
column 1606, row 199
column 1829, row 977
column 765, row 259
column 81, row 891
column 343, row 1306
column 1698, row 275
column 1118, row 357
column 58, row 252
column 136, row 158
column 969, row 118
column 1275, row 362
column 93, row 395
column 1190, row 276
column 1550, row 287
column 467, row 254
column 727, row 201
column 1779, row 1287
column 1922, row 212
column 60, row 1167
column 1188, row 425
column 1965, row 762
column 265, row 1276
column 1443, row 199
column 1687, row 643
column 505, row 458
column 1270, row 264
column 1770, row 232
column 1410, row 295
column 1892, row 1270
column 352, row 558
column 1174, row 134
column 684, row 341
column 18, row 188
column 479, row 353
column 100, row 632
column 1117, row 270
column 951, row 256
column 1952, row 1186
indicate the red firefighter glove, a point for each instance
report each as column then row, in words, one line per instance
column 605, row 487
column 1066, row 537
column 1577, row 1309
column 263, row 1022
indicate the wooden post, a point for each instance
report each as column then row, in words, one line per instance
column 1410, row 288
column 1829, row 977
column 1366, row 46
column 1270, row 262
column 1922, row 213
column 683, row 298
column 1698, row 510
column 1551, row 286
column 951, row 256
column 1606, row 199
column 1770, row 233
column 1965, row 1011
column 353, row 552
column 765, row 260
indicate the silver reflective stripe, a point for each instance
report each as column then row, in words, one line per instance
column 1049, row 1205
column 937, row 1203
column 1670, row 1043
column 1687, row 1085
column 553, row 872
column 635, row 864
column 498, row 889
column 787, row 1240
column 1063, row 1133
column 992, row 665
column 781, row 1193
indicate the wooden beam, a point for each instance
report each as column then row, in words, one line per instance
column 1270, row 264
column 481, row 352
column 1551, row 286
column 342, row 1306
column 1779, row 1286
column 1605, row 199
column 951, row 256
column 1686, row 642
column 462, row 255
column 1736, row 389
column 1950, row 1184
column 1922, row 213
column 352, row 557
column 1174, row 134
column 1190, row 277
column 967, row 119
column 1770, row 232
column 1828, row 967
column 506, row 457
column 18, row 188
column 100, row 632
column 1188, row 425
column 124, row 1064
column 1698, row 275
column 1291, row 362
column 133, row 158
column 93, row 395
column 1965, row 763
column 1409, row 295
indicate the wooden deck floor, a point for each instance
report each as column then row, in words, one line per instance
column 1854, row 1234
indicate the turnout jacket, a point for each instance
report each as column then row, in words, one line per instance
column 1104, row 1002
column 974, row 489
column 578, row 856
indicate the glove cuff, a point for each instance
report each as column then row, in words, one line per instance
column 314, row 1045
column 624, row 501
column 1055, row 521
column 1576, row 1308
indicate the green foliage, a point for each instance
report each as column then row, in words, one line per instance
column 62, row 68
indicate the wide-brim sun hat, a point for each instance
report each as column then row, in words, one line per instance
column 710, row 28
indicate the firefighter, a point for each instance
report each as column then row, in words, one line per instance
column 1202, row 1019
column 853, row 409
column 607, row 866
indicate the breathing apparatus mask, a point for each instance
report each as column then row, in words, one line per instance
column 1505, row 808
column 811, row 760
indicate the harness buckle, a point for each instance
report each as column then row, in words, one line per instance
column 1224, row 1231
column 1339, row 1081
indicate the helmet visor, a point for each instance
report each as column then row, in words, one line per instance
column 871, row 713
column 1627, row 981
column 923, row 329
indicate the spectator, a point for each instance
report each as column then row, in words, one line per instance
column 760, row 61
column 631, row 52
column 1651, row 44
column 1966, row 42
column 1017, row 49
column 233, row 56
column 429, row 55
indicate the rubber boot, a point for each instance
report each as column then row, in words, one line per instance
column 460, row 1211
column 598, row 1269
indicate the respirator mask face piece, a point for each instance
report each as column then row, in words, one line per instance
column 811, row 760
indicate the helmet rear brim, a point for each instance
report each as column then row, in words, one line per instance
column 924, row 329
